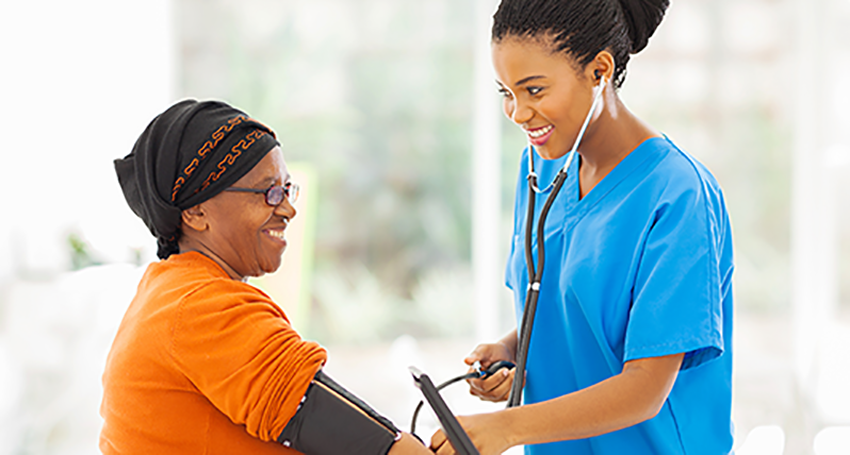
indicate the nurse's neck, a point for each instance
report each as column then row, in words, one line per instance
column 609, row 139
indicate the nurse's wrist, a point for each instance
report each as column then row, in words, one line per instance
column 509, row 342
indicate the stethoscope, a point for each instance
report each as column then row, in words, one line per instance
column 535, row 274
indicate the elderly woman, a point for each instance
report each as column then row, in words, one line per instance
column 204, row 362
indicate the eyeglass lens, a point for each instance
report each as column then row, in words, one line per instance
column 275, row 194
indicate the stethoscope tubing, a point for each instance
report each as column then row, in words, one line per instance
column 534, row 280
column 535, row 273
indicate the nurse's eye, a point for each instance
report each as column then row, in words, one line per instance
column 534, row 90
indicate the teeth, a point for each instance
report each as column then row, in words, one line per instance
column 541, row 131
column 279, row 234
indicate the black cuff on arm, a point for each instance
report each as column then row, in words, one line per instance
column 329, row 422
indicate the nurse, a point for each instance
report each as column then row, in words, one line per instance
column 631, row 349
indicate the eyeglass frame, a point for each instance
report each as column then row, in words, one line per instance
column 290, row 192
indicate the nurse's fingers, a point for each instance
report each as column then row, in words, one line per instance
column 490, row 382
column 495, row 388
column 439, row 443
column 487, row 353
column 481, row 353
column 445, row 449
column 476, row 355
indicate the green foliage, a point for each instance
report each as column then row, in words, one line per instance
column 357, row 308
column 81, row 257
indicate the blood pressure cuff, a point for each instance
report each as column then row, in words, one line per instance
column 331, row 420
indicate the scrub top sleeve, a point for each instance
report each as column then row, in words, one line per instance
column 677, row 305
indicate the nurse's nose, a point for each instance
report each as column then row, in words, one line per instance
column 521, row 113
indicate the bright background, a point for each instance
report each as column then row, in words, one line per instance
column 387, row 113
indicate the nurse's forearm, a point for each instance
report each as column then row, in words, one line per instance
column 633, row 396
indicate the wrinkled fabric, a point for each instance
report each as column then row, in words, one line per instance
column 640, row 267
column 202, row 363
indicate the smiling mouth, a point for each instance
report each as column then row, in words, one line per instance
column 540, row 131
column 277, row 233
column 539, row 136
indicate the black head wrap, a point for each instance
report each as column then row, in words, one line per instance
column 188, row 154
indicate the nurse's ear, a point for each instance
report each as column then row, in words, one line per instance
column 601, row 66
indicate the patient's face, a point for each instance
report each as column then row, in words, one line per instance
column 245, row 232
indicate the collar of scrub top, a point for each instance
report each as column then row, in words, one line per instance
column 531, row 151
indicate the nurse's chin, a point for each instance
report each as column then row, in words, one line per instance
column 550, row 153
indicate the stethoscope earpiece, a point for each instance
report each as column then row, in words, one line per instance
column 600, row 78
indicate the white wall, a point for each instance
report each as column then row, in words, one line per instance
column 79, row 82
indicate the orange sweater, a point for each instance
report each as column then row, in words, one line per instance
column 202, row 364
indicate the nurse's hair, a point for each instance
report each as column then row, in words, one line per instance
column 583, row 28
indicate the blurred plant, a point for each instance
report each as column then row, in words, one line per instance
column 352, row 307
column 443, row 302
column 376, row 96
column 81, row 256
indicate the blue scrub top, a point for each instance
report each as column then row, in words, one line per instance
column 640, row 267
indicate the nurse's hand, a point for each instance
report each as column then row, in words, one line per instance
column 498, row 386
column 488, row 433
column 408, row 445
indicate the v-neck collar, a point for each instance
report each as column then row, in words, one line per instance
column 579, row 207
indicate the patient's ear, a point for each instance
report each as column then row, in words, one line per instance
column 195, row 218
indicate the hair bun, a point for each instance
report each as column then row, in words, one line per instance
column 642, row 17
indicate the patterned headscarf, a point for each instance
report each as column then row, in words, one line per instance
column 186, row 155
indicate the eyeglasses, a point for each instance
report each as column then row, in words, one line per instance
column 275, row 193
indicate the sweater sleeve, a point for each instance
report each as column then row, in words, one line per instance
column 237, row 347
